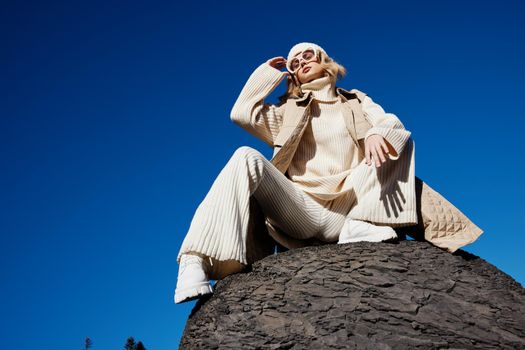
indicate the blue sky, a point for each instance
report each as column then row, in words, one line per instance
column 115, row 122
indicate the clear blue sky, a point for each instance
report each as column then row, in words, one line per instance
column 107, row 147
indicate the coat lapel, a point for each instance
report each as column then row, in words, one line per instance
column 294, row 112
column 295, row 120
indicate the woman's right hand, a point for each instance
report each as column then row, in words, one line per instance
column 279, row 63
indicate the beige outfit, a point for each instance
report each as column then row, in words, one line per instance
column 327, row 179
column 326, row 154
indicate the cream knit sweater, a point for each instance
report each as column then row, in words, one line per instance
column 326, row 154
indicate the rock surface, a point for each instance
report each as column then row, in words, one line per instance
column 404, row 295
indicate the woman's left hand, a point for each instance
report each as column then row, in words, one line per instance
column 375, row 150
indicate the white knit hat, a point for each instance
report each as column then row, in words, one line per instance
column 301, row 47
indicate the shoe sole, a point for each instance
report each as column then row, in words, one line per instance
column 193, row 292
column 378, row 237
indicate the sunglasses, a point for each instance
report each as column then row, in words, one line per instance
column 307, row 55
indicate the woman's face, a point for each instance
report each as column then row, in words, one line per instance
column 309, row 71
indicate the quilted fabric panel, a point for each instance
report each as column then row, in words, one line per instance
column 445, row 225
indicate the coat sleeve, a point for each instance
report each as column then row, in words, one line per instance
column 250, row 111
column 387, row 125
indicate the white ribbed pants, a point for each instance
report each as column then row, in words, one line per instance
column 219, row 226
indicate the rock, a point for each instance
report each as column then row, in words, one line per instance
column 403, row 295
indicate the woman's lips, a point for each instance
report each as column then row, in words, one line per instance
column 305, row 70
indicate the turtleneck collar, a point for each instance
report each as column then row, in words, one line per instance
column 323, row 89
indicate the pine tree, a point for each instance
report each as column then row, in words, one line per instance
column 87, row 343
column 130, row 344
column 140, row 346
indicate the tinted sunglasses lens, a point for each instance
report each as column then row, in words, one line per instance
column 308, row 54
column 294, row 65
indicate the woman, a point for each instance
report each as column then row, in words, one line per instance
column 342, row 171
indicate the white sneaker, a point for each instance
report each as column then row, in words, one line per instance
column 192, row 281
column 361, row 231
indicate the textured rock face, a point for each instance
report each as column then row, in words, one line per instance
column 405, row 295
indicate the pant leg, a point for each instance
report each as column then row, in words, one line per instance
column 386, row 195
column 333, row 216
column 286, row 205
column 219, row 226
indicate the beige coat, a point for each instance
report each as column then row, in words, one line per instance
column 440, row 222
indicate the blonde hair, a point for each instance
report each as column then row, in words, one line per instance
column 330, row 66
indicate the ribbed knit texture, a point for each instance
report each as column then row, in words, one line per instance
column 250, row 110
column 219, row 228
column 326, row 154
